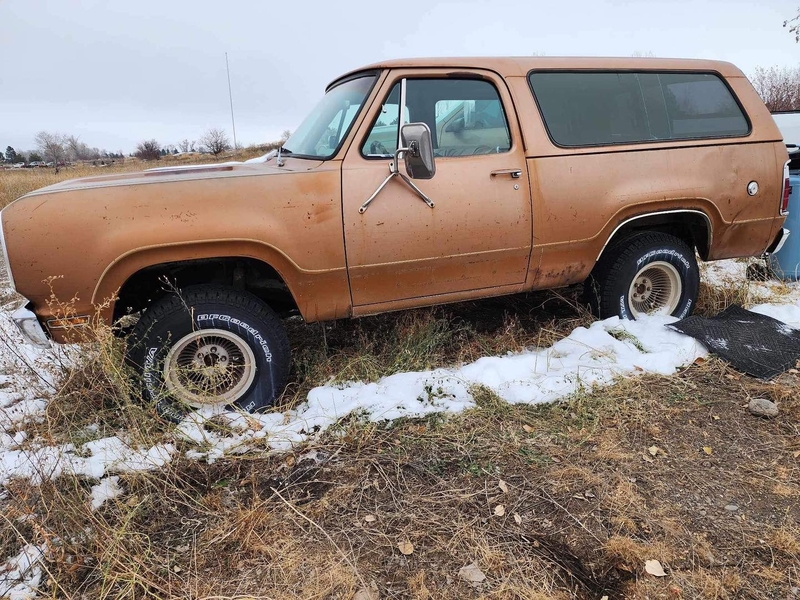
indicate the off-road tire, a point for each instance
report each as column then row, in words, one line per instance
column 607, row 289
column 233, row 313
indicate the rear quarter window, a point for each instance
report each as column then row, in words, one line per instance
column 604, row 108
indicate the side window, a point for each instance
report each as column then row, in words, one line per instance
column 382, row 138
column 700, row 105
column 605, row 108
column 465, row 116
column 584, row 109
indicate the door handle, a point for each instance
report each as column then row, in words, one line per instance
column 514, row 173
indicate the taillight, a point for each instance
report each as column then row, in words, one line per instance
column 787, row 190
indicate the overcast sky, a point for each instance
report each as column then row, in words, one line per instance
column 115, row 73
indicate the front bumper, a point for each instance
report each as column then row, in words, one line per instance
column 778, row 243
column 28, row 324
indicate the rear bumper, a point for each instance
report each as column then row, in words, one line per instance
column 28, row 324
column 779, row 241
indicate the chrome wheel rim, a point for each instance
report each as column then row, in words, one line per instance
column 655, row 289
column 209, row 368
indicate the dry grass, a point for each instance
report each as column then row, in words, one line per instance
column 373, row 347
column 713, row 299
column 326, row 521
column 15, row 183
column 744, row 291
column 584, row 501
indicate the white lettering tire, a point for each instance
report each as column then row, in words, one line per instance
column 209, row 347
column 645, row 273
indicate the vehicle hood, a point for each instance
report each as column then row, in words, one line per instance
column 177, row 174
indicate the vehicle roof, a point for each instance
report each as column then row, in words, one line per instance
column 510, row 66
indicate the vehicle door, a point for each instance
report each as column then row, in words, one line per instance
column 478, row 233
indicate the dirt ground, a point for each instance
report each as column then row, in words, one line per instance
column 570, row 500
column 555, row 501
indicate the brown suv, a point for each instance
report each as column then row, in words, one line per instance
column 412, row 183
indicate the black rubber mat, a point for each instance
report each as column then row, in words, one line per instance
column 752, row 343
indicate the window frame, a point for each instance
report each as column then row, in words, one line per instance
column 716, row 74
column 375, row 74
column 466, row 75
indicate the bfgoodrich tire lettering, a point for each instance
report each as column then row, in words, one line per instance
column 645, row 272
column 209, row 346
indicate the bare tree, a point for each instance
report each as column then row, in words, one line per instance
column 77, row 150
column 286, row 135
column 793, row 25
column 216, row 141
column 52, row 147
column 75, row 147
column 187, row 146
column 779, row 88
column 148, row 150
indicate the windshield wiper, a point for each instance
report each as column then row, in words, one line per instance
column 282, row 151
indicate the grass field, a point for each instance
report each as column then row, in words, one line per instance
column 554, row 501
column 559, row 501
column 17, row 182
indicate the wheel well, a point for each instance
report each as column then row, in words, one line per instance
column 249, row 274
column 691, row 227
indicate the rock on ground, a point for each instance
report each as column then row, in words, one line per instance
column 762, row 407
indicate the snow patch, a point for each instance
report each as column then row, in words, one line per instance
column 21, row 575
column 194, row 167
column 107, row 489
column 586, row 358
column 718, row 343
column 92, row 459
column 589, row 356
column 261, row 159
column 787, row 313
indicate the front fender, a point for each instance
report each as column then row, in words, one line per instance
column 321, row 294
column 73, row 247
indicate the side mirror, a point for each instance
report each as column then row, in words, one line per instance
column 419, row 159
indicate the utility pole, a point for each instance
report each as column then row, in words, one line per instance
column 230, row 97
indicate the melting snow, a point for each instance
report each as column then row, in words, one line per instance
column 107, row 489
column 589, row 356
column 788, row 313
column 21, row 574
column 718, row 343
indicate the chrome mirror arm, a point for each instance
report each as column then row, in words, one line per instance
column 419, row 192
column 369, row 200
column 394, row 170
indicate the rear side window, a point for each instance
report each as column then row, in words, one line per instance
column 602, row 108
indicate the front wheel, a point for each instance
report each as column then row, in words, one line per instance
column 209, row 347
column 646, row 273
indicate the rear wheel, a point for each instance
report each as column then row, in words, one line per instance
column 209, row 348
column 645, row 273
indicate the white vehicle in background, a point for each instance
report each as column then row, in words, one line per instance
column 789, row 124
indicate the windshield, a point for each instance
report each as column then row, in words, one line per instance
column 323, row 130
